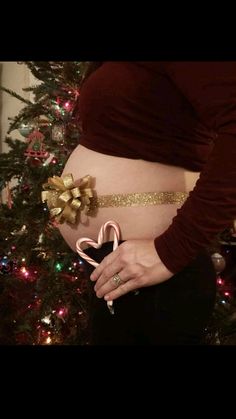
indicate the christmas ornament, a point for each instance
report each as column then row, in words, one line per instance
column 34, row 162
column 41, row 238
column 218, row 262
column 58, row 133
column 43, row 255
column 20, row 232
column 26, row 129
column 25, row 187
column 36, row 147
column 6, row 265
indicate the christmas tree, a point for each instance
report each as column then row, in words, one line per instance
column 43, row 291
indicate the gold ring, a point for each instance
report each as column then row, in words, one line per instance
column 117, row 280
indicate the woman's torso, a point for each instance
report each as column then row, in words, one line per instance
column 115, row 175
column 139, row 134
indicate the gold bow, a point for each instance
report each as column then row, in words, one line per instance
column 64, row 199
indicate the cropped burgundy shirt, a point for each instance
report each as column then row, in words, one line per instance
column 177, row 113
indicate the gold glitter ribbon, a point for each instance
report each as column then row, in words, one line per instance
column 64, row 199
column 142, row 199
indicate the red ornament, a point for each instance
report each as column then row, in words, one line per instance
column 36, row 147
column 34, row 162
column 25, row 188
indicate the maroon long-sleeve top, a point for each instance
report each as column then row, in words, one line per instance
column 176, row 113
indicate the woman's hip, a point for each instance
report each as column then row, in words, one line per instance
column 175, row 311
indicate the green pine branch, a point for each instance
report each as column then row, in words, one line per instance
column 15, row 95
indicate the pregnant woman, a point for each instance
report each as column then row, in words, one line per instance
column 158, row 140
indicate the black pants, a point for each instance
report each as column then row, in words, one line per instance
column 174, row 312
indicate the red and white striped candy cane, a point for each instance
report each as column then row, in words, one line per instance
column 97, row 245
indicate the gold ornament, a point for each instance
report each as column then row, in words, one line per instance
column 218, row 262
column 20, row 232
column 64, row 199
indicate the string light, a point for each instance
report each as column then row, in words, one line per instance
column 61, row 313
column 24, row 271
column 58, row 267
column 47, row 319
column 220, row 281
column 48, row 341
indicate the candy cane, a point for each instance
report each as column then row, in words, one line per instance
column 97, row 245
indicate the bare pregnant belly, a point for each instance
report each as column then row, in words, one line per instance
column 115, row 175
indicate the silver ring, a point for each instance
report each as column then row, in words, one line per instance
column 117, row 280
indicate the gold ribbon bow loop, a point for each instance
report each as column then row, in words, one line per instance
column 64, row 199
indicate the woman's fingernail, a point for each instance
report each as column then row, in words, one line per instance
column 106, row 297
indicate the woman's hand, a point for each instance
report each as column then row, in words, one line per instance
column 137, row 264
